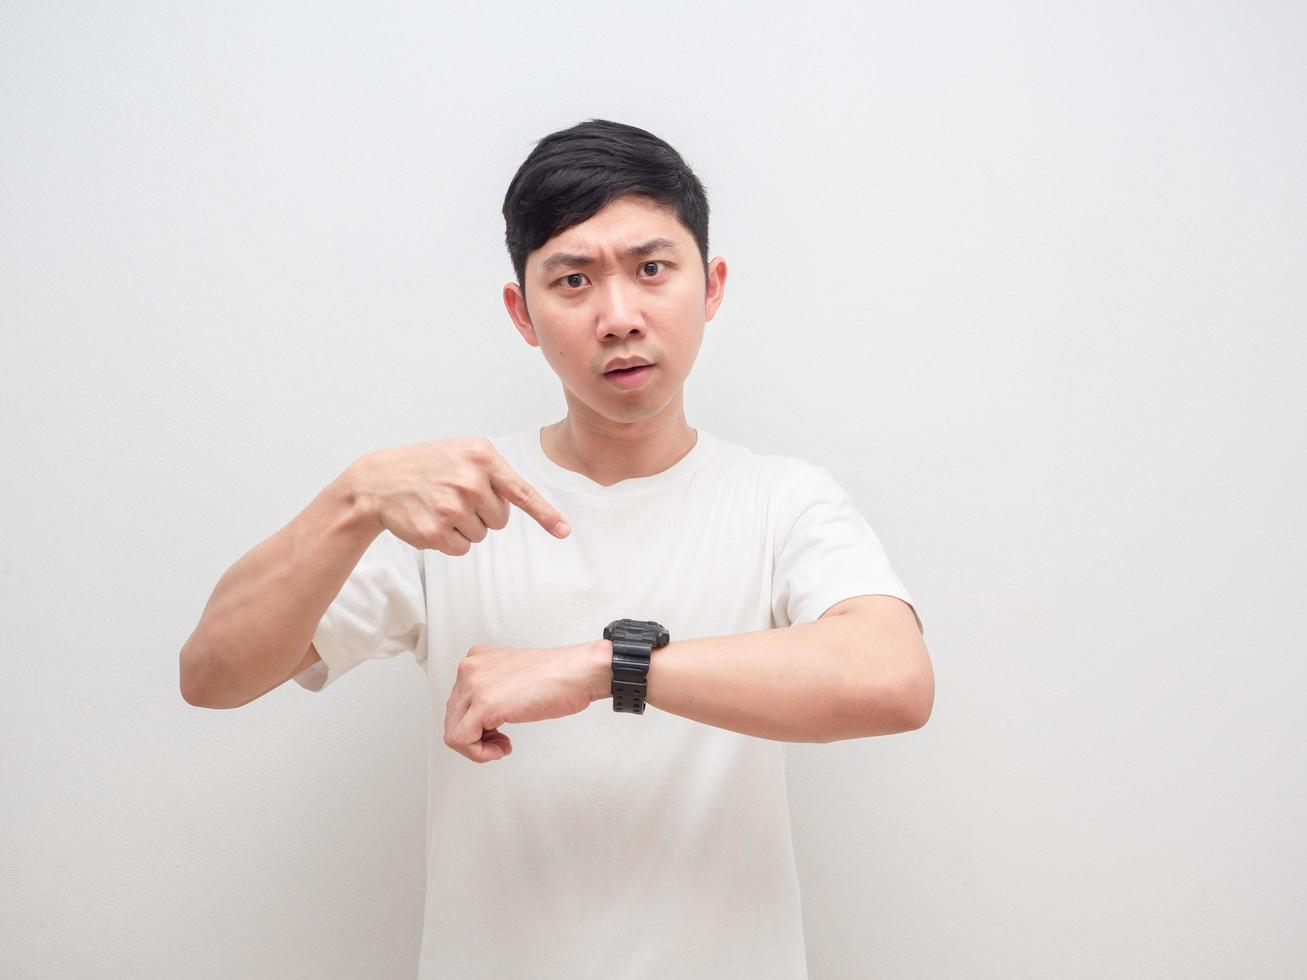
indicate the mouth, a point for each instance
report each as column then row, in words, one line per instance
column 631, row 377
column 626, row 363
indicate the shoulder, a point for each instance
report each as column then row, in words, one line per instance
column 776, row 467
column 788, row 486
column 795, row 477
column 805, row 496
column 783, row 478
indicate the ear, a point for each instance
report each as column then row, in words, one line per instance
column 715, row 287
column 515, row 301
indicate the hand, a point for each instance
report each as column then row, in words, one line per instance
column 445, row 494
column 499, row 685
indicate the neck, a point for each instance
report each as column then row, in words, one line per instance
column 608, row 452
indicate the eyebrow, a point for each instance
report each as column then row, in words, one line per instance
column 570, row 258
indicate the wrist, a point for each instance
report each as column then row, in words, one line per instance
column 600, row 653
column 352, row 486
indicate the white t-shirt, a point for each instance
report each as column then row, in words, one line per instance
column 612, row 844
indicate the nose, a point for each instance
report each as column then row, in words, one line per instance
column 618, row 309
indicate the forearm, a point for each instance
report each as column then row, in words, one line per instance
column 817, row 682
column 260, row 619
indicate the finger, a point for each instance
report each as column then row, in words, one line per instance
column 469, row 734
column 447, row 538
column 518, row 491
column 452, row 716
column 491, row 508
column 496, row 739
column 471, row 527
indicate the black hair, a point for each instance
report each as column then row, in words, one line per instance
column 574, row 173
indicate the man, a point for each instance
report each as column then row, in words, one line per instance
column 743, row 596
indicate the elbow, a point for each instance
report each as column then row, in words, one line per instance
column 190, row 689
column 917, row 699
column 193, row 673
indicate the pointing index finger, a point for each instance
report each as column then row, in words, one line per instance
column 518, row 491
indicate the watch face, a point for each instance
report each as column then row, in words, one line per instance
column 657, row 633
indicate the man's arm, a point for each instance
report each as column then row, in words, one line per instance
column 862, row 669
column 260, row 620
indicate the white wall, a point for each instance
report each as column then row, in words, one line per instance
column 1028, row 279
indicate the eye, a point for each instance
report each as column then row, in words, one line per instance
column 569, row 286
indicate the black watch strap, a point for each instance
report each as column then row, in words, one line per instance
column 634, row 641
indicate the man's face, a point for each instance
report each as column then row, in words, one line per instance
column 626, row 283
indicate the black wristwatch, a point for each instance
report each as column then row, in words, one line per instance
column 634, row 641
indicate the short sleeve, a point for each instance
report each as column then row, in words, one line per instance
column 379, row 612
column 825, row 550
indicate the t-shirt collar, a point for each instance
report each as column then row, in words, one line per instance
column 559, row 476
